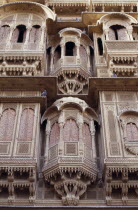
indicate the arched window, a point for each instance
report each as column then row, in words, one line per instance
column 35, row 34
column 71, row 131
column 19, row 34
column 132, row 132
column 70, row 49
column 86, row 135
column 54, row 135
column 100, row 46
column 57, row 54
column 4, row 32
column 7, row 122
column 117, row 32
column 26, row 125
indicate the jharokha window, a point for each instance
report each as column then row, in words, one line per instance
column 71, row 131
column 86, row 135
column 132, row 132
column 19, row 34
column 26, row 125
column 7, row 122
column 54, row 135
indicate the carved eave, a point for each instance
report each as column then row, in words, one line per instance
column 88, row 170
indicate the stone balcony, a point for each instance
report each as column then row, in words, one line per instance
column 121, row 57
column 76, row 157
column 72, row 74
column 20, row 59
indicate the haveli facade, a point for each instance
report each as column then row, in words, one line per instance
column 68, row 104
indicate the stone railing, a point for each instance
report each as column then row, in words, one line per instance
column 69, row 62
column 125, row 47
column 21, row 47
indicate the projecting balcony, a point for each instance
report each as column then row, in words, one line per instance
column 121, row 57
column 71, row 63
column 75, row 155
column 20, row 59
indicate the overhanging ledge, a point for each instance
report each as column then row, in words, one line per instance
column 110, row 84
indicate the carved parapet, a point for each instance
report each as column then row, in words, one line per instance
column 21, row 65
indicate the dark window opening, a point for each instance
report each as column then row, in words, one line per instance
column 22, row 30
column 36, row 26
column 116, row 29
column 100, row 46
column 70, row 47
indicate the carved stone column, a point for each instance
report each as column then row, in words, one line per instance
column 8, row 45
column 92, row 130
column 42, row 43
column 52, row 60
column 26, row 45
column 130, row 30
column 61, row 140
column 47, row 140
column 88, row 56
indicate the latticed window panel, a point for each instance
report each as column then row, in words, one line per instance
column 26, row 125
column 7, row 122
column 71, row 148
column 132, row 132
column 54, row 134
column 86, row 135
column 71, row 131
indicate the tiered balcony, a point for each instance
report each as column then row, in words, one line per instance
column 20, row 59
column 121, row 57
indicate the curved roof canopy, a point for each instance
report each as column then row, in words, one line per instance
column 31, row 6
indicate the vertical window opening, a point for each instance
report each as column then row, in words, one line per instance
column 70, row 49
column 100, row 46
column 21, row 35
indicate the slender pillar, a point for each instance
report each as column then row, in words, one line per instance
column 47, row 140
column 8, row 45
column 92, row 130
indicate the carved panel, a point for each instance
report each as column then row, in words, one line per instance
column 53, row 152
column 26, row 125
column 122, row 34
column 71, row 148
column 86, row 135
column 7, row 122
column 114, row 148
column 54, row 135
column 132, row 132
column 71, row 131
column 23, row 148
column 111, row 34
column 111, row 125
column 4, row 148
